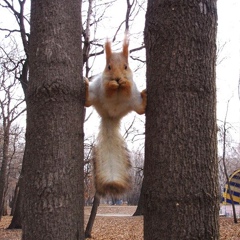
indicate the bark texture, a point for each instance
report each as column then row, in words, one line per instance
column 181, row 200
column 52, row 206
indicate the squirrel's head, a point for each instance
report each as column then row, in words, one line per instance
column 117, row 67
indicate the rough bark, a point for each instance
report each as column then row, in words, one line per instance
column 181, row 195
column 52, row 206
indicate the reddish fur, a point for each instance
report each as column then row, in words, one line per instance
column 108, row 50
column 113, row 187
column 112, row 88
column 125, row 47
column 113, row 94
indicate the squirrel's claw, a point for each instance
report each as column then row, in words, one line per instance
column 86, row 81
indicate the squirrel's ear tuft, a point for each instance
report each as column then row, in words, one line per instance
column 108, row 49
column 125, row 46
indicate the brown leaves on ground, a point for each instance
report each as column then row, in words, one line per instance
column 113, row 228
column 8, row 234
column 116, row 222
column 228, row 229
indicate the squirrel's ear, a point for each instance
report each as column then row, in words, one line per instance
column 108, row 49
column 125, row 46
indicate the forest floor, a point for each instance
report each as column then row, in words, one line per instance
column 116, row 222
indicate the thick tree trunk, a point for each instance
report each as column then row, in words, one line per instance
column 181, row 195
column 52, row 206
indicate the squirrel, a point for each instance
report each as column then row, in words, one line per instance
column 113, row 94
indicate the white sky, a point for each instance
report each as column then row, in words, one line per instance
column 228, row 70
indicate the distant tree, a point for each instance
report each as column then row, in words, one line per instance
column 89, row 189
column 16, row 222
column 224, row 142
column 10, row 109
column 228, row 153
column 137, row 177
column 181, row 174
column 88, row 230
column 53, row 159
column 21, row 66
column 140, row 205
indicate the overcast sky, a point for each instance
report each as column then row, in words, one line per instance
column 227, row 71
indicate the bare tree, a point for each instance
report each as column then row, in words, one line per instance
column 17, row 9
column 88, row 230
column 224, row 164
column 11, row 109
column 220, row 48
column 137, row 177
column 88, row 177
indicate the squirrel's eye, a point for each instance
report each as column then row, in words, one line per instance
column 109, row 67
column 125, row 66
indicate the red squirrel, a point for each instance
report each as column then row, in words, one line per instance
column 113, row 94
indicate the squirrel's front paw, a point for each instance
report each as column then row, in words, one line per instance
column 113, row 84
column 144, row 95
column 144, row 98
column 86, row 81
column 87, row 100
column 122, row 82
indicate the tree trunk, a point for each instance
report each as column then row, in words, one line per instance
column 92, row 217
column 14, row 200
column 181, row 195
column 3, row 170
column 5, row 208
column 140, row 207
column 52, row 206
column 16, row 222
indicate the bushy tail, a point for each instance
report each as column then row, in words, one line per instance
column 111, row 160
